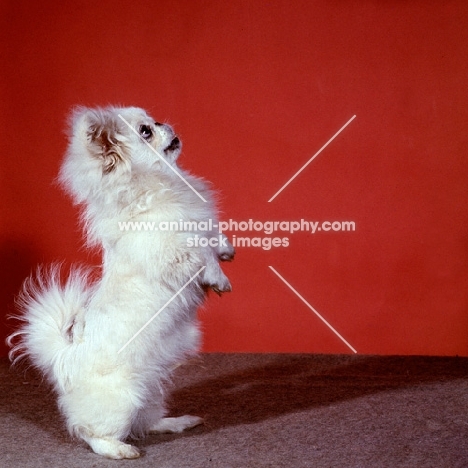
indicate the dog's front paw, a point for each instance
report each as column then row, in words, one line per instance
column 217, row 281
column 226, row 250
column 227, row 256
column 221, row 289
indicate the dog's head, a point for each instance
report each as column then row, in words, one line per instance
column 108, row 145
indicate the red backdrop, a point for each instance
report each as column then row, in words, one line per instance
column 255, row 89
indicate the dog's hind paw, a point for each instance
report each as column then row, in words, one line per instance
column 176, row 425
column 113, row 448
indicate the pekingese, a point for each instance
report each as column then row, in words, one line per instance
column 109, row 345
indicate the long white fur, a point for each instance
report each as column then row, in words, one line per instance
column 73, row 331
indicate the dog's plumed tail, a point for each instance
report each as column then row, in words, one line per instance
column 52, row 317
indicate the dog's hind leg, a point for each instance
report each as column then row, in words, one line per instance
column 100, row 412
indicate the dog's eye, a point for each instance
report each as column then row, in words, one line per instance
column 146, row 132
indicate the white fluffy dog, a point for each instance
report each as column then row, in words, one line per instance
column 108, row 346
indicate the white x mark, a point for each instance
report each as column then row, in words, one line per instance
column 312, row 158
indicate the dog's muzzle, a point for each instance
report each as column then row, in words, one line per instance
column 175, row 144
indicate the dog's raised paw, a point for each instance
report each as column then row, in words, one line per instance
column 226, row 253
column 227, row 256
column 221, row 286
column 220, row 290
column 215, row 279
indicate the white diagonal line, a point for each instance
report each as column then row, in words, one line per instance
column 162, row 159
column 313, row 310
column 161, row 309
column 312, row 158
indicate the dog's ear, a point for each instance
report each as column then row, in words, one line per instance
column 98, row 154
column 106, row 140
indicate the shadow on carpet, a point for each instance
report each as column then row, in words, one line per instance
column 272, row 410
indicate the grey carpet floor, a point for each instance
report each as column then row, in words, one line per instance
column 271, row 411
